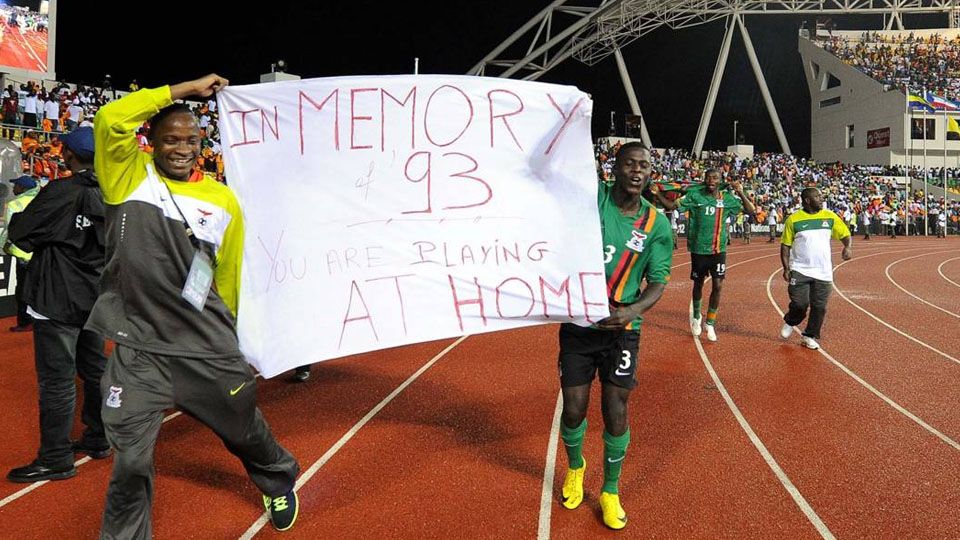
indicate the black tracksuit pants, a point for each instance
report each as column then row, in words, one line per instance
column 221, row 393
column 807, row 292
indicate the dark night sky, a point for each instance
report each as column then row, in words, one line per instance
column 671, row 70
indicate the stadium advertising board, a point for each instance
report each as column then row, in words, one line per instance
column 383, row 211
column 27, row 29
column 878, row 138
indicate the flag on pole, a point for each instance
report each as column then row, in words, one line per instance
column 917, row 102
column 953, row 129
column 941, row 104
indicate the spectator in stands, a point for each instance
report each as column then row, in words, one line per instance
column 40, row 105
column 134, row 85
column 30, row 109
column 772, row 223
column 74, row 115
column 175, row 331
column 64, row 227
column 9, row 115
column 25, row 189
column 108, row 85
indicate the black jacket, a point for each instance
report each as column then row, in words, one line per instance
column 64, row 228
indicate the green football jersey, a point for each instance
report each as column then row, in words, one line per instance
column 635, row 248
column 707, row 229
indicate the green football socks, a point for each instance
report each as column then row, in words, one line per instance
column 573, row 441
column 614, row 451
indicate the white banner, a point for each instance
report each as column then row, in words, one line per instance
column 383, row 211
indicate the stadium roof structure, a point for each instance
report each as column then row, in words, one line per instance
column 590, row 31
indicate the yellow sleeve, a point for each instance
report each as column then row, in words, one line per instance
column 787, row 237
column 118, row 159
column 840, row 229
column 229, row 258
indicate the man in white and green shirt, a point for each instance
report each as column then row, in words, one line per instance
column 807, row 264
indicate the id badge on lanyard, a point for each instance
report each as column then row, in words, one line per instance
column 199, row 280
column 200, row 277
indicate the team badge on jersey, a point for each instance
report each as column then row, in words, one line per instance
column 113, row 400
column 636, row 241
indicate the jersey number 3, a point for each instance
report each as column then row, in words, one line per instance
column 608, row 253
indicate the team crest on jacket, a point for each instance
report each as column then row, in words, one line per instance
column 202, row 220
column 113, row 400
column 826, row 223
column 636, row 241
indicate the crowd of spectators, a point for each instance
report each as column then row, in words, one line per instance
column 905, row 62
column 775, row 180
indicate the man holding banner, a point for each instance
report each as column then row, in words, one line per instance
column 169, row 300
column 638, row 245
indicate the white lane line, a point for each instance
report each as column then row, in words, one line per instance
column 897, row 285
column 33, row 53
column 940, row 271
column 308, row 474
column 795, row 494
column 14, row 496
column 881, row 321
column 546, row 492
column 867, row 385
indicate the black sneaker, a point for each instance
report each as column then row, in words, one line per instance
column 301, row 374
column 283, row 510
column 79, row 447
column 35, row 472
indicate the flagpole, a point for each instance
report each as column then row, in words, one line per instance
column 945, row 132
column 925, row 227
column 906, row 195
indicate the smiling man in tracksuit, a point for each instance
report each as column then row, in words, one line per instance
column 169, row 300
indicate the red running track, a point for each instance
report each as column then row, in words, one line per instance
column 24, row 51
column 461, row 450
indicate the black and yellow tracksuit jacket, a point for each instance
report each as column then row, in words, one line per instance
column 148, row 250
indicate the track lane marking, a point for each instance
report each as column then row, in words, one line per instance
column 881, row 321
column 318, row 464
column 546, row 492
column 897, row 285
column 771, row 462
column 944, row 276
column 916, row 419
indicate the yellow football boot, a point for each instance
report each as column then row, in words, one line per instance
column 613, row 514
column 572, row 494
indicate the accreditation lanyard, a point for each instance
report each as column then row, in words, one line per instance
column 200, row 277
